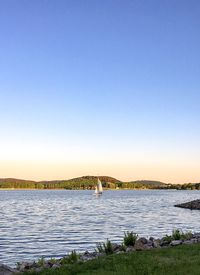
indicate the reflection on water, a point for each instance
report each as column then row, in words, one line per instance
column 51, row 223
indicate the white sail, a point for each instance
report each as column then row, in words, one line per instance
column 100, row 186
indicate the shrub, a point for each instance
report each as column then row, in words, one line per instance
column 188, row 235
column 41, row 261
column 105, row 247
column 177, row 234
column 70, row 259
column 130, row 238
column 167, row 238
column 180, row 235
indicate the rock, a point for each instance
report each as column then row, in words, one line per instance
column 156, row 243
column 150, row 244
column 130, row 249
column 176, row 242
column 56, row 265
column 194, row 240
column 23, row 266
column 50, row 264
column 143, row 240
column 86, row 253
column 191, row 241
column 196, row 235
column 151, row 239
column 6, row 270
column 86, row 256
column 142, row 244
column 116, row 247
column 192, row 205
column 165, row 242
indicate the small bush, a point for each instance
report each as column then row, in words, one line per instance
column 180, row 235
column 105, row 247
column 167, row 238
column 52, row 261
column 41, row 261
column 100, row 248
column 70, row 259
column 123, row 247
column 177, row 234
column 188, row 235
column 130, row 238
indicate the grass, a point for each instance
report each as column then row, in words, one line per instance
column 184, row 260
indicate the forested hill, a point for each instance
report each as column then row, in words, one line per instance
column 85, row 182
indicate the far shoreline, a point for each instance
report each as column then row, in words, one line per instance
column 110, row 189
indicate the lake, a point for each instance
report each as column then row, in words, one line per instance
column 51, row 223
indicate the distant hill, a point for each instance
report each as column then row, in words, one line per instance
column 85, row 178
column 144, row 184
column 150, row 182
column 85, row 182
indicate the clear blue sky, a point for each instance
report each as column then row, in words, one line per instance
column 100, row 87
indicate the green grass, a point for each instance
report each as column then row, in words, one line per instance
column 181, row 260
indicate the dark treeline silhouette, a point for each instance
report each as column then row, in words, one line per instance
column 89, row 183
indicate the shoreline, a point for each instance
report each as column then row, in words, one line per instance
column 109, row 189
column 131, row 243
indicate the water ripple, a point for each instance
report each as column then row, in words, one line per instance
column 51, row 223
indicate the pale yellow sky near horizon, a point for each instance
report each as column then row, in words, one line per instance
column 50, row 160
column 124, row 172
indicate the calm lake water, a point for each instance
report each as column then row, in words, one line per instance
column 51, row 223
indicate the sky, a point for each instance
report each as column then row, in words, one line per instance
column 106, row 87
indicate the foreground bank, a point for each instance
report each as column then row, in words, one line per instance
column 124, row 257
column 182, row 260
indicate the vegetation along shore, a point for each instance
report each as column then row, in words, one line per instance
column 178, row 253
column 89, row 183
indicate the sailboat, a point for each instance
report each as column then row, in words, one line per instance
column 98, row 188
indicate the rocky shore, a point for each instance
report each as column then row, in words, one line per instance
column 177, row 238
column 192, row 205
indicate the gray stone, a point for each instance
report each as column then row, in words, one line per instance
column 196, row 235
column 56, row 265
column 176, row 242
column 194, row 240
column 86, row 256
column 130, row 249
column 6, row 270
column 142, row 244
column 116, row 247
column 143, row 240
column 191, row 241
column 156, row 243
column 24, row 266
column 150, row 244
column 188, row 242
